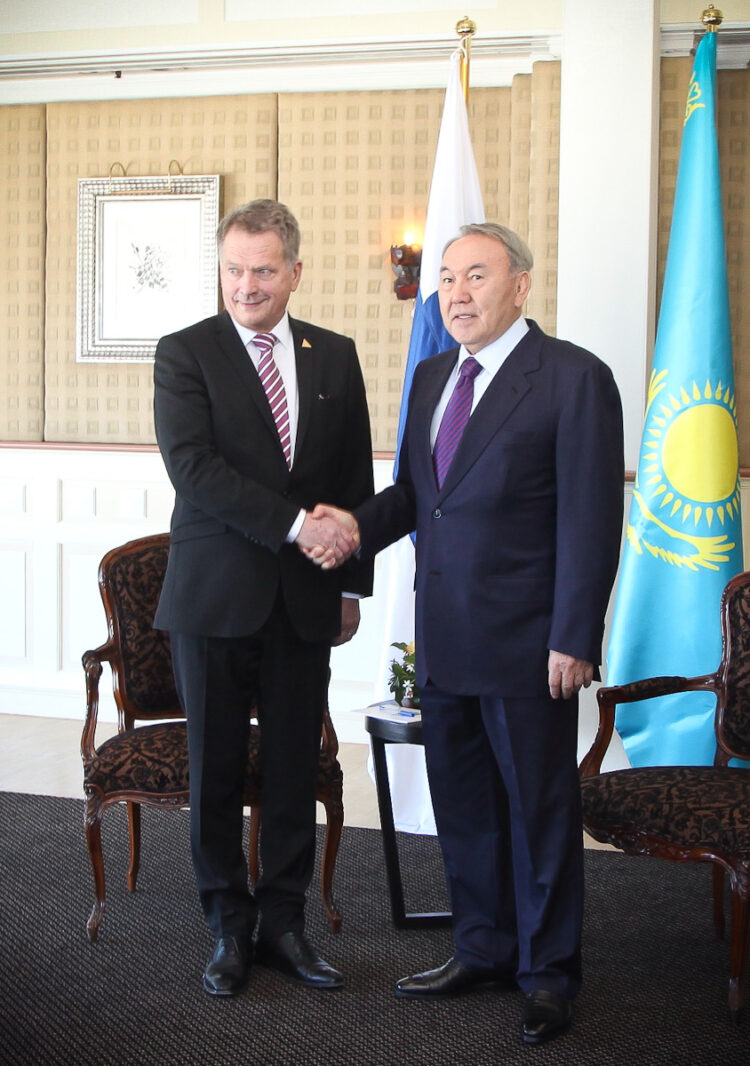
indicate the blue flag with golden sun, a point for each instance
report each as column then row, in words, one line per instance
column 684, row 540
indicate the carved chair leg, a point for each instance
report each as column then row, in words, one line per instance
column 334, row 807
column 134, row 829
column 253, row 865
column 740, row 940
column 718, row 874
column 93, row 827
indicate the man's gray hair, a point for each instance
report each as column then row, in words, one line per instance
column 262, row 216
column 518, row 250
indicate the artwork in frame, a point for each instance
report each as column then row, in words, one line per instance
column 146, row 262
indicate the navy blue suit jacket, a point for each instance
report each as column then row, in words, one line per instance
column 516, row 554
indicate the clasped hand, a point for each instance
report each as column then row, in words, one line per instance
column 329, row 536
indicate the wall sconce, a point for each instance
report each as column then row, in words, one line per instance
column 405, row 261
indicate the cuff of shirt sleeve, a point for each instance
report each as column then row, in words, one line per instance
column 296, row 527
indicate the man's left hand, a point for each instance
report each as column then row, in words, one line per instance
column 568, row 675
column 349, row 620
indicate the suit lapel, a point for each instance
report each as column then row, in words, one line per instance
column 425, row 400
column 506, row 390
column 238, row 359
column 306, row 379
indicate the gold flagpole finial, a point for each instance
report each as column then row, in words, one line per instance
column 465, row 28
column 712, row 18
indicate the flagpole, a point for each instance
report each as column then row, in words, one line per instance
column 712, row 18
column 466, row 29
column 455, row 199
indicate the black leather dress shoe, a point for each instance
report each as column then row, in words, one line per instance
column 546, row 1016
column 452, row 979
column 228, row 968
column 291, row 955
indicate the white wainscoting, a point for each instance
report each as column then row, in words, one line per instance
column 62, row 508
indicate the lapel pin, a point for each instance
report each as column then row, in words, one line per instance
column 306, row 343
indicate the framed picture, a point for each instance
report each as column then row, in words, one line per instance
column 146, row 262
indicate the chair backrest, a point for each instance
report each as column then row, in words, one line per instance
column 733, row 708
column 130, row 580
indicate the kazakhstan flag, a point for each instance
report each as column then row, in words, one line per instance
column 684, row 539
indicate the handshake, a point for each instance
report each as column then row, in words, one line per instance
column 329, row 536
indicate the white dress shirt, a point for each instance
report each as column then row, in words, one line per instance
column 490, row 358
column 283, row 355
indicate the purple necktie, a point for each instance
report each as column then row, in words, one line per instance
column 270, row 379
column 454, row 419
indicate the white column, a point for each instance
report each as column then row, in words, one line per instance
column 608, row 186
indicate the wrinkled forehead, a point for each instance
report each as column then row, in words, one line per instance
column 473, row 253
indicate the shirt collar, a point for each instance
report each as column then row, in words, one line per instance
column 282, row 331
column 493, row 355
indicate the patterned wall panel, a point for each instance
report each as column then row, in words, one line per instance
column 355, row 168
column 544, row 166
column 234, row 136
column 22, row 223
column 490, row 123
column 520, row 154
column 734, row 148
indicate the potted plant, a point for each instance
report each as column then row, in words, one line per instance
column 402, row 681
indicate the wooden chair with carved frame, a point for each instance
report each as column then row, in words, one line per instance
column 147, row 764
column 683, row 813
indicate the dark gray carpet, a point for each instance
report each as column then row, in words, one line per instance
column 654, row 995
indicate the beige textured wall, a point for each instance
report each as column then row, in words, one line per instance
column 355, row 167
column 22, row 150
column 544, row 166
column 520, row 154
column 490, row 121
column 233, row 136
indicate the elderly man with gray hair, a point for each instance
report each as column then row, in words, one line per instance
column 511, row 473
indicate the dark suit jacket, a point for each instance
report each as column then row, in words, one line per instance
column 517, row 553
column 235, row 497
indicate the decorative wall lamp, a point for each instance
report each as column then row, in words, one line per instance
column 405, row 262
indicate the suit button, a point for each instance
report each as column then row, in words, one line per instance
column 437, row 513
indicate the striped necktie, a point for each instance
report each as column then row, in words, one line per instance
column 270, row 379
column 454, row 419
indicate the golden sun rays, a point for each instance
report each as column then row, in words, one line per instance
column 689, row 458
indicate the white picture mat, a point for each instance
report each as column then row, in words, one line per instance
column 150, row 279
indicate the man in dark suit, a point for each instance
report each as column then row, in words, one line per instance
column 518, row 518
column 257, row 417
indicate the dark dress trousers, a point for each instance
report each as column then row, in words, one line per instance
column 516, row 554
column 250, row 619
